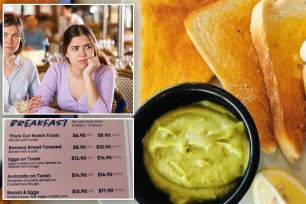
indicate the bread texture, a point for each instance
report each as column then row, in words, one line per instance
column 221, row 34
column 278, row 30
column 168, row 55
column 304, row 78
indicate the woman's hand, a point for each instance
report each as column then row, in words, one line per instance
column 90, row 88
column 93, row 64
column 34, row 102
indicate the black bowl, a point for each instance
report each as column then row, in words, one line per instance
column 171, row 98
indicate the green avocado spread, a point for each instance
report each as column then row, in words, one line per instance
column 196, row 153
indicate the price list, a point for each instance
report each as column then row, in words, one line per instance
column 66, row 159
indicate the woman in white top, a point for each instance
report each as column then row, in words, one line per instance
column 20, row 74
column 68, row 18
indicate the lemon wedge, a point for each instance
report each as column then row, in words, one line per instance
column 278, row 187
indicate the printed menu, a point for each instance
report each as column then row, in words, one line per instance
column 66, row 159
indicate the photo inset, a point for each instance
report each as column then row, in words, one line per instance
column 68, row 59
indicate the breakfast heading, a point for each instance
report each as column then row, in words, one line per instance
column 42, row 123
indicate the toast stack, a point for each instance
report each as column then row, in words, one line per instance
column 168, row 55
column 221, row 34
column 278, row 30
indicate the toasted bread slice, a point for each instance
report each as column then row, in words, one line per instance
column 304, row 78
column 168, row 55
column 278, row 30
column 221, row 33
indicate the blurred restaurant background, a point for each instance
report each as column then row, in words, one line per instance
column 111, row 24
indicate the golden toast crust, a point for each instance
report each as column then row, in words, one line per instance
column 277, row 47
column 221, row 34
column 168, row 55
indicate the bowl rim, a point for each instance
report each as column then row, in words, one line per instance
column 254, row 152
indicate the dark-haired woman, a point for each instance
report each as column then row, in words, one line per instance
column 20, row 74
column 85, row 83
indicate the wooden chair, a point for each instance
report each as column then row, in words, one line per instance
column 124, row 84
column 119, row 103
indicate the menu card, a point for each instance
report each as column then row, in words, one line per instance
column 66, row 159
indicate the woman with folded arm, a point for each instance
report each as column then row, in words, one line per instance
column 20, row 74
column 85, row 82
